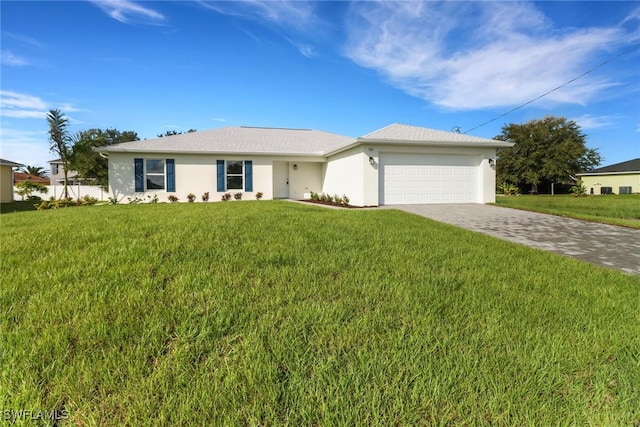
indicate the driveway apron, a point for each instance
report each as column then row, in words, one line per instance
column 606, row 245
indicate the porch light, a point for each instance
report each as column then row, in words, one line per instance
column 295, row 167
column 492, row 162
column 372, row 161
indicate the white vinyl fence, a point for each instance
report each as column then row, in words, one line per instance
column 75, row 192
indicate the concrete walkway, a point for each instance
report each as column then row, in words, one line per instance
column 607, row 245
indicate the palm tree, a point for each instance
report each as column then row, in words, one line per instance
column 60, row 142
column 34, row 171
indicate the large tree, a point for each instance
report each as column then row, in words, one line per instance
column 60, row 141
column 552, row 149
column 88, row 162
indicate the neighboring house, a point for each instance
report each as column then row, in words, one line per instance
column 19, row 177
column 398, row 164
column 56, row 174
column 6, row 180
column 620, row 178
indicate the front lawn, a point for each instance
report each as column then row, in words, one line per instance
column 275, row 313
column 610, row 209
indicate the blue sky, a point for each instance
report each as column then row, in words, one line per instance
column 343, row 67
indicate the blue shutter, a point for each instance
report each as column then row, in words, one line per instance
column 139, row 174
column 171, row 174
column 220, row 174
column 248, row 176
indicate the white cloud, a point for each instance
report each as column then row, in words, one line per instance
column 127, row 11
column 588, row 121
column 29, row 147
column 9, row 58
column 25, row 106
column 297, row 14
column 22, row 106
column 476, row 55
column 288, row 16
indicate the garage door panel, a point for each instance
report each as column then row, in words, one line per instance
column 407, row 179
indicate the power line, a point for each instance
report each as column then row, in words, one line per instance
column 556, row 88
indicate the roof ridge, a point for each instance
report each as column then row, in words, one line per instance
column 275, row 128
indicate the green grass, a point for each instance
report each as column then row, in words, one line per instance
column 18, row 206
column 274, row 313
column 611, row 209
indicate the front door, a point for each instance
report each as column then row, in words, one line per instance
column 280, row 180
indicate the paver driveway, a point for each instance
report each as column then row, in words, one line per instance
column 608, row 245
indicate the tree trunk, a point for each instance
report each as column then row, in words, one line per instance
column 65, row 193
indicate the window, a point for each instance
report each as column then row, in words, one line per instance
column 624, row 190
column 606, row 190
column 235, row 175
column 155, row 174
column 54, row 169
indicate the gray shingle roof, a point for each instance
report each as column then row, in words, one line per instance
column 240, row 139
column 400, row 133
column 280, row 141
column 628, row 166
column 4, row 162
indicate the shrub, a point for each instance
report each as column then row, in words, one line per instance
column 26, row 188
column 579, row 190
column 315, row 197
column 337, row 199
column 508, row 189
column 226, row 197
column 191, row 197
column 88, row 201
column 237, row 196
column 134, row 201
column 345, row 200
column 259, row 195
column 205, row 197
column 52, row 203
column 173, row 198
column 153, row 199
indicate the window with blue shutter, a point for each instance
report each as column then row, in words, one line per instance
column 220, row 175
column 248, row 175
column 171, row 175
column 139, row 174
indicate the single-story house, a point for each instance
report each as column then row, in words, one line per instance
column 619, row 178
column 6, row 180
column 19, row 177
column 398, row 164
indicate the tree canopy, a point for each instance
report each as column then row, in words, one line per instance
column 86, row 161
column 34, row 171
column 175, row 132
column 552, row 149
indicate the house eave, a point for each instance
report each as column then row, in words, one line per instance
column 316, row 156
column 395, row 142
column 608, row 173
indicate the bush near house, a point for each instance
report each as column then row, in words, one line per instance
column 273, row 313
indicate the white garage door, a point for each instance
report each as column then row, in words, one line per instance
column 420, row 178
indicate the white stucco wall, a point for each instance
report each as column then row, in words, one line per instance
column 304, row 177
column 344, row 174
column 194, row 174
column 488, row 174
